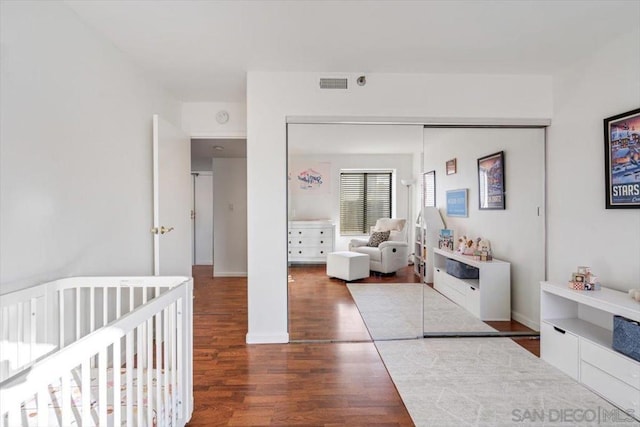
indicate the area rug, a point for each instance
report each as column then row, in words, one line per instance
column 489, row 382
column 390, row 311
column 443, row 315
column 408, row 310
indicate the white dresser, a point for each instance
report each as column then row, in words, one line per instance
column 310, row 241
column 576, row 337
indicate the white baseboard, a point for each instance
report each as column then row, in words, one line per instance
column 525, row 321
column 267, row 339
column 229, row 273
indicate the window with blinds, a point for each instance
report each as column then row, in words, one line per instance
column 364, row 197
column 429, row 189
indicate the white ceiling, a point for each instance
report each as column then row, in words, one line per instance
column 201, row 50
column 228, row 148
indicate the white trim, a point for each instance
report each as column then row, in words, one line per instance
column 229, row 273
column 434, row 121
column 525, row 321
column 267, row 339
column 219, row 135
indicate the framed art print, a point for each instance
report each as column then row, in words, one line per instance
column 491, row 181
column 622, row 160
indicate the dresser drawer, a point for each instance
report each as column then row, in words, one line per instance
column 559, row 348
column 324, row 242
column 311, row 232
column 615, row 364
column 611, row 388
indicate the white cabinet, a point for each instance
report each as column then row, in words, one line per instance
column 309, row 242
column 488, row 297
column 576, row 337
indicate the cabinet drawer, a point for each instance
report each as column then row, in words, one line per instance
column 472, row 300
column 559, row 348
column 609, row 361
column 611, row 388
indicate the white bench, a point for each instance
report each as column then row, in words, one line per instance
column 348, row 266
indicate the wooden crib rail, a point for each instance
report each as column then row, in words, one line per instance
column 153, row 342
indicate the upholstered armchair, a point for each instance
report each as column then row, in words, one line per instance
column 390, row 255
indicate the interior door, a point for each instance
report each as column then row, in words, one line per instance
column 172, row 251
column 203, row 206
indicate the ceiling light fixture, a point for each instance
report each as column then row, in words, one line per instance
column 218, row 147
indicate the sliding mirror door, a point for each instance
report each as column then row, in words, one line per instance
column 342, row 178
column 478, row 171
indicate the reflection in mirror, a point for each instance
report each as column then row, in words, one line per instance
column 341, row 180
column 484, row 281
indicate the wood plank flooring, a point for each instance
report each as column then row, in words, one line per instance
column 310, row 384
column 307, row 384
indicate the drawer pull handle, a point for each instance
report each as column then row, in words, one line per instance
column 299, row 252
column 322, row 232
column 438, row 270
column 472, row 288
column 299, row 241
column 321, row 252
column 559, row 330
column 321, row 241
column 299, row 232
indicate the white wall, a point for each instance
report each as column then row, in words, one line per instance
column 581, row 230
column 516, row 233
column 230, row 217
column 271, row 97
column 199, row 119
column 75, row 143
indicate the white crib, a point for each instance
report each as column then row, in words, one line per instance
column 90, row 351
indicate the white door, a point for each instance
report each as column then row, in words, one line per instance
column 203, row 203
column 171, row 200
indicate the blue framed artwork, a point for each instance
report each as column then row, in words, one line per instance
column 457, row 203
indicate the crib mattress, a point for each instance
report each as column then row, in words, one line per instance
column 30, row 408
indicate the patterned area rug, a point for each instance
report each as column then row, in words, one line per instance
column 407, row 310
column 389, row 310
column 489, row 382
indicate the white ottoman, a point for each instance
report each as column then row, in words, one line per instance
column 347, row 265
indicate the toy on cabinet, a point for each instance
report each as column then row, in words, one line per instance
column 483, row 250
column 466, row 246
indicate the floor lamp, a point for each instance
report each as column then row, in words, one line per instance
column 408, row 183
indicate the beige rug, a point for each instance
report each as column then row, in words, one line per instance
column 489, row 382
column 408, row 310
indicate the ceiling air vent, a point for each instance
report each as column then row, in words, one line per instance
column 333, row 83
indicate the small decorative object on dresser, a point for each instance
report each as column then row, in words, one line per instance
column 445, row 239
column 635, row 294
column 584, row 280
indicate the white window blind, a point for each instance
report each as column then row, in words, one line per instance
column 364, row 197
column 429, row 189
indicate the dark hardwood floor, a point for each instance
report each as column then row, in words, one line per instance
column 307, row 383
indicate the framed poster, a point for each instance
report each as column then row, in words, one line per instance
column 491, row 181
column 622, row 160
column 314, row 178
column 457, row 203
column 451, row 166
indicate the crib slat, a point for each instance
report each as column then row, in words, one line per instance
column 92, row 309
column 117, row 383
column 165, row 365
column 172, row 367
column 158, row 364
column 139, row 377
column 65, row 407
column 85, row 388
column 129, row 378
column 131, row 299
column 61, row 316
column 102, row 387
column 78, row 319
column 105, row 306
column 4, row 368
column 180, row 358
column 149, row 366
column 42, row 402
column 20, row 335
column 118, row 302
column 33, row 325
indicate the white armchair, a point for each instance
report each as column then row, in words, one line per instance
column 390, row 255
